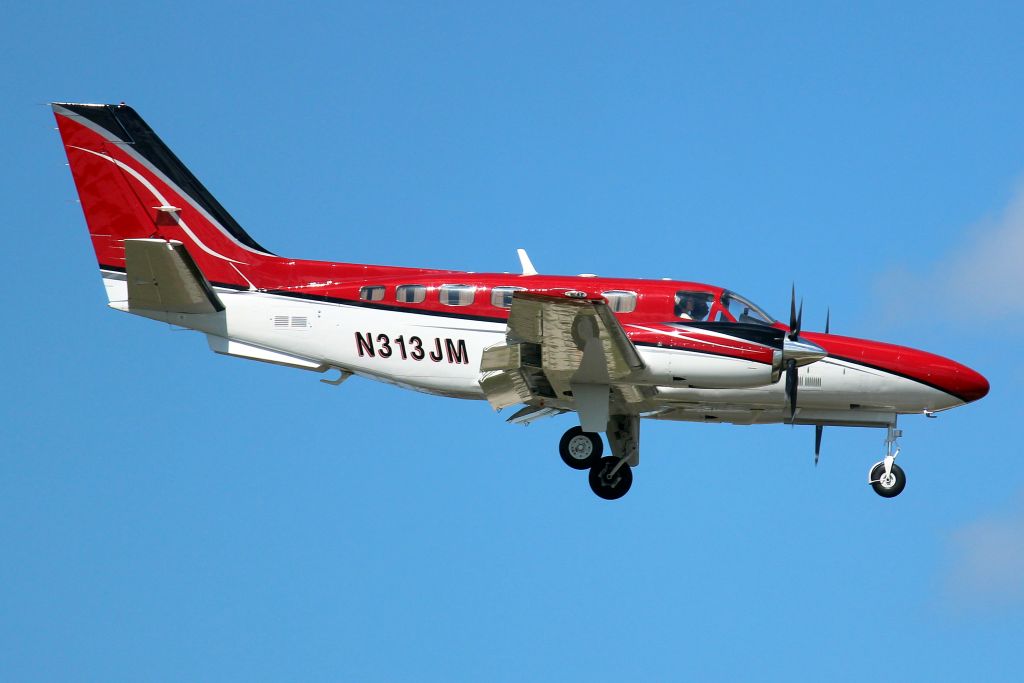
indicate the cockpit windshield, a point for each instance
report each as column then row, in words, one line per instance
column 742, row 310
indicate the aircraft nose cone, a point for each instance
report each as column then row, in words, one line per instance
column 972, row 385
column 958, row 380
column 802, row 351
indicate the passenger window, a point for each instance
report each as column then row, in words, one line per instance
column 502, row 296
column 411, row 294
column 375, row 293
column 619, row 301
column 693, row 305
column 457, row 295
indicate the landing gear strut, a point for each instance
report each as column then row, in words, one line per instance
column 886, row 477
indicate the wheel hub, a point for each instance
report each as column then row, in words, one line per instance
column 580, row 447
column 610, row 477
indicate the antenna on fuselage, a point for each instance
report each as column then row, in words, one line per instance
column 526, row 263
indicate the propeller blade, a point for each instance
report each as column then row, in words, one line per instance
column 818, row 429
column 828, row 319
column 795, row 318
column 791, row 382
column 792, row 314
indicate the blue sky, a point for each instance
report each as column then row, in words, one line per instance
column 169, row 514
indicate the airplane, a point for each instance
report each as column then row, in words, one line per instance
column 610, row 350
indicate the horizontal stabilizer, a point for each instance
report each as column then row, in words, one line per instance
column 163, row 277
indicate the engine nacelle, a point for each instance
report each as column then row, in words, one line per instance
column 667, row 366
column 702, row 358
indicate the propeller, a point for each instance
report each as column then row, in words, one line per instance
column 797, row 352
column 828, row 319
column 795, row 320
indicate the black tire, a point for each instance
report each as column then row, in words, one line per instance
column 898, row 484
column 580, row 450
column 610, row 487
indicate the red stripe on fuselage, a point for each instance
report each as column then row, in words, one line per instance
column 689, row 339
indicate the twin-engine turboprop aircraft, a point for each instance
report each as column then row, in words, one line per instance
column 611, row 351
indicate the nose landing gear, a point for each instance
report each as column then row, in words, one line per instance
column 887, row 484
column 886, row 477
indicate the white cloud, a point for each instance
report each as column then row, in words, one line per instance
column 987, row 562
column 982, row 273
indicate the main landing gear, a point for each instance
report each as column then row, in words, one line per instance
column 610, row 477
column 886, row 477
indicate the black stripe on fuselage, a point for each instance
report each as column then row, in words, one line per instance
column 384, row 307
column 904, row 375
column 320, row 298
column 759, row 334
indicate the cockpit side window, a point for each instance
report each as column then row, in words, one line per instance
column 693, row 305
column 735, row 308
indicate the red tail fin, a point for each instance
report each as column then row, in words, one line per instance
column 132, row 186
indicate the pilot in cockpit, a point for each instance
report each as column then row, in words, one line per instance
column 691, row 306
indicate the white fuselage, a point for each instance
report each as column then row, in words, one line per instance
column 441, row 355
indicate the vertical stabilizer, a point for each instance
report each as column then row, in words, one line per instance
column 132, row 186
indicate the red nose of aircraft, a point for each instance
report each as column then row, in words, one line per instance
column 941, row 373
column 960, row 381
column 957, row 380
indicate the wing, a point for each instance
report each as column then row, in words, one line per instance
column 565, row 353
